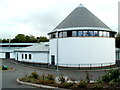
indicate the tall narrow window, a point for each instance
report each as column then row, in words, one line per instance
column 64, row 34
column 104, row 34
column 25, row 56
column 100, row 33
column 96, row 33
column 30, row 56
column 90, row 33
column 107, row 34
column 60, row 34
column 74, row 33
column 80, row 33
column 22, row 56
column 69, row 33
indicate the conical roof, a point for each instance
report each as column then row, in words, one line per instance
column 81, row 18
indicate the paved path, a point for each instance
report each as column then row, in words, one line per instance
column 9, row 77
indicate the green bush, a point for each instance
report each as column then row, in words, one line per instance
column 113, row 83
column 111, row 75
column 66, row 85
column 50, row 77
column 61, row 79
column 34, row 75
column 97, row 86
column 82, row 84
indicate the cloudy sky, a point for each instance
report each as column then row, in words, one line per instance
column 38, row 17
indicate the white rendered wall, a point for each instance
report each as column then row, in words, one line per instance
column 2, row 55
column 83, row 50
column 39, row 57
column 12, row 55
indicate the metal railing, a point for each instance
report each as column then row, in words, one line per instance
column 92, row 66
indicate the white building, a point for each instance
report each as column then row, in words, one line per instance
column 81, row 38
column 38, row 53
column 7, row 49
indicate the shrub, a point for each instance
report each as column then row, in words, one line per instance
column 97, row 86
column 111, row 75
column 66, row 85
column 82, row 84
column 50, row 77
column 87, row 76
column 61, row 79
column 34, row 75
column 43, row 77
column 113, row 83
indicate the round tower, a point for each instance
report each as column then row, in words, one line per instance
column 81, row 38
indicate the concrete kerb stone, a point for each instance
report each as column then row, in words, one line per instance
column 36, row 85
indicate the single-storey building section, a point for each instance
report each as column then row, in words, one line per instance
column 7, row 49
column 38, row 53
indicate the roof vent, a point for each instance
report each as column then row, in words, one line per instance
column 80, row 5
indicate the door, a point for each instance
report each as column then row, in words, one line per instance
column 52, row 59
column 7, row 55
column 17, row 56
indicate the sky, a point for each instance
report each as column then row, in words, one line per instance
column 38, row 17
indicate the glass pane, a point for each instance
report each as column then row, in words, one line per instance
column 64, row 34
column 104, row 34
column 74, row 33
column 96, row 33
column 90, row 33
column 80, row 33
column 100, row 33
column 60, row 34
column 107, row 34
column 85, row 33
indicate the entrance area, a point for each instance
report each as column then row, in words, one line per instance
column 7, row 55
column 52, row 59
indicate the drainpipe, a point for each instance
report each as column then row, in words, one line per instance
column 57, row 49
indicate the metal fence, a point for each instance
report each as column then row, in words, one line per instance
column 94, row 66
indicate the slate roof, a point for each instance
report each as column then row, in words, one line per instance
column 41, row 47
column 81, row 18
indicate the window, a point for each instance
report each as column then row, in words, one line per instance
column 100, row 33
column 22, row 56
column 74, row 33
column 96, row 33
column 25, row 56
column 107, row 34
column 53, row 35
column 30, row 56
column 69, row 33
column 112, row 34
column 104, row 33
column 60, row 34
column 85, row 33
column 64, row 34
column 91, row 33
column 80, row 33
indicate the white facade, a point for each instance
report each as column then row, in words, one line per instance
column 36, row 57
column 38, row 53
column 85, row 50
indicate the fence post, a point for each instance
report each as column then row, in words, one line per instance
column 101, row 65
column 78, row 66
column 110, row 65
column 33, row 63
column 90, row 66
